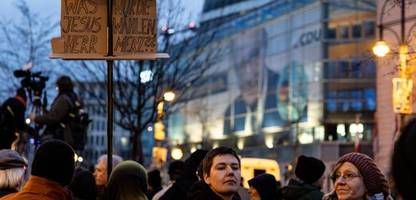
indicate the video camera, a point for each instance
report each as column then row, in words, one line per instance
column 33, row 81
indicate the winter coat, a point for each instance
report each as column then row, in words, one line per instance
column 201, row 191
column 56, row 117
column 38, row 188
column 333, row 196
column 296, row 190
column 178, row 190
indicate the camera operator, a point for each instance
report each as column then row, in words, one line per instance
column 12, row 119
column 57, row 118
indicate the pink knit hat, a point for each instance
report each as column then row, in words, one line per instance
column 374, row 180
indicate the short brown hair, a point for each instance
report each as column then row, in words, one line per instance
column 207, row 162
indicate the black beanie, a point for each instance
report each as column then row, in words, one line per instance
column 309, row 169
column 64, row 83
column 10, row 159
column 54, row 160
column 266, row 185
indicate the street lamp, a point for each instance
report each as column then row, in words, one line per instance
column 159, row 127
column 402, row 86
column 159, row 153
column 169, row 96
column 381, row 48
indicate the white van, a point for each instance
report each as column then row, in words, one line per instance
column 251, row 167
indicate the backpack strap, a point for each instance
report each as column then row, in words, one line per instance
column 74, row 106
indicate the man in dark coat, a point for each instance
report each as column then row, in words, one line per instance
column 12, row 119
column 308, row 182
column 56, row 120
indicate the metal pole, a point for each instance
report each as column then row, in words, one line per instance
column 403, row 22
column 109, row 88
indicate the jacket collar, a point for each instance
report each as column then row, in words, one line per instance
column 46, row 187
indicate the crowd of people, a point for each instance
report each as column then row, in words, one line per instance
column 204, row 175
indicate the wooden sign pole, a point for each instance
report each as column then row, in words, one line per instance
column 131, row 34
column 110, row 114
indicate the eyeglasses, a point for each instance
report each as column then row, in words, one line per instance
column 347, row 177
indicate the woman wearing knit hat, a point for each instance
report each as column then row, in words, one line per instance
column 357, row 177
column 128, row 181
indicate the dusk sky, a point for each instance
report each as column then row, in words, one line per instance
column 52, row 8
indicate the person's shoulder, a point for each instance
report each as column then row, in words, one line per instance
column 23, row 196
column 316, row 194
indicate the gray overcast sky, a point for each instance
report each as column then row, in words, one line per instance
column 52, row 8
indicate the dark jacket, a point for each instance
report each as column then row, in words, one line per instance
column 182, row 185
column 57, row 117
column 83, row 185
column 38, row 188
column 178, row 190
column 201, row 191
column 296, row 190
column 13, row 120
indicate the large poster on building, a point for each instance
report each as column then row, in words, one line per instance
column 267, row 80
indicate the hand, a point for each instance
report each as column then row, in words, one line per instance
column 15, row 142
column 32, row 117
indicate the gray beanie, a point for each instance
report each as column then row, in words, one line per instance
column 10, row 159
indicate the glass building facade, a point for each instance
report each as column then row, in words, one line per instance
column 288, row 71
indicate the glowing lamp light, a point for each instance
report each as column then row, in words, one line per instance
column 176, row 153
column 146, row 76
column 240, row 143
column 27, row 121
column 341, row 129
column 192, row 25
column 381, row 49
column 268, row 140
column 78, row 158
column 305, row 138
column 169, row 96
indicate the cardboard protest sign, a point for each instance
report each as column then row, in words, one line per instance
column 84, row 30
column 134, row 27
